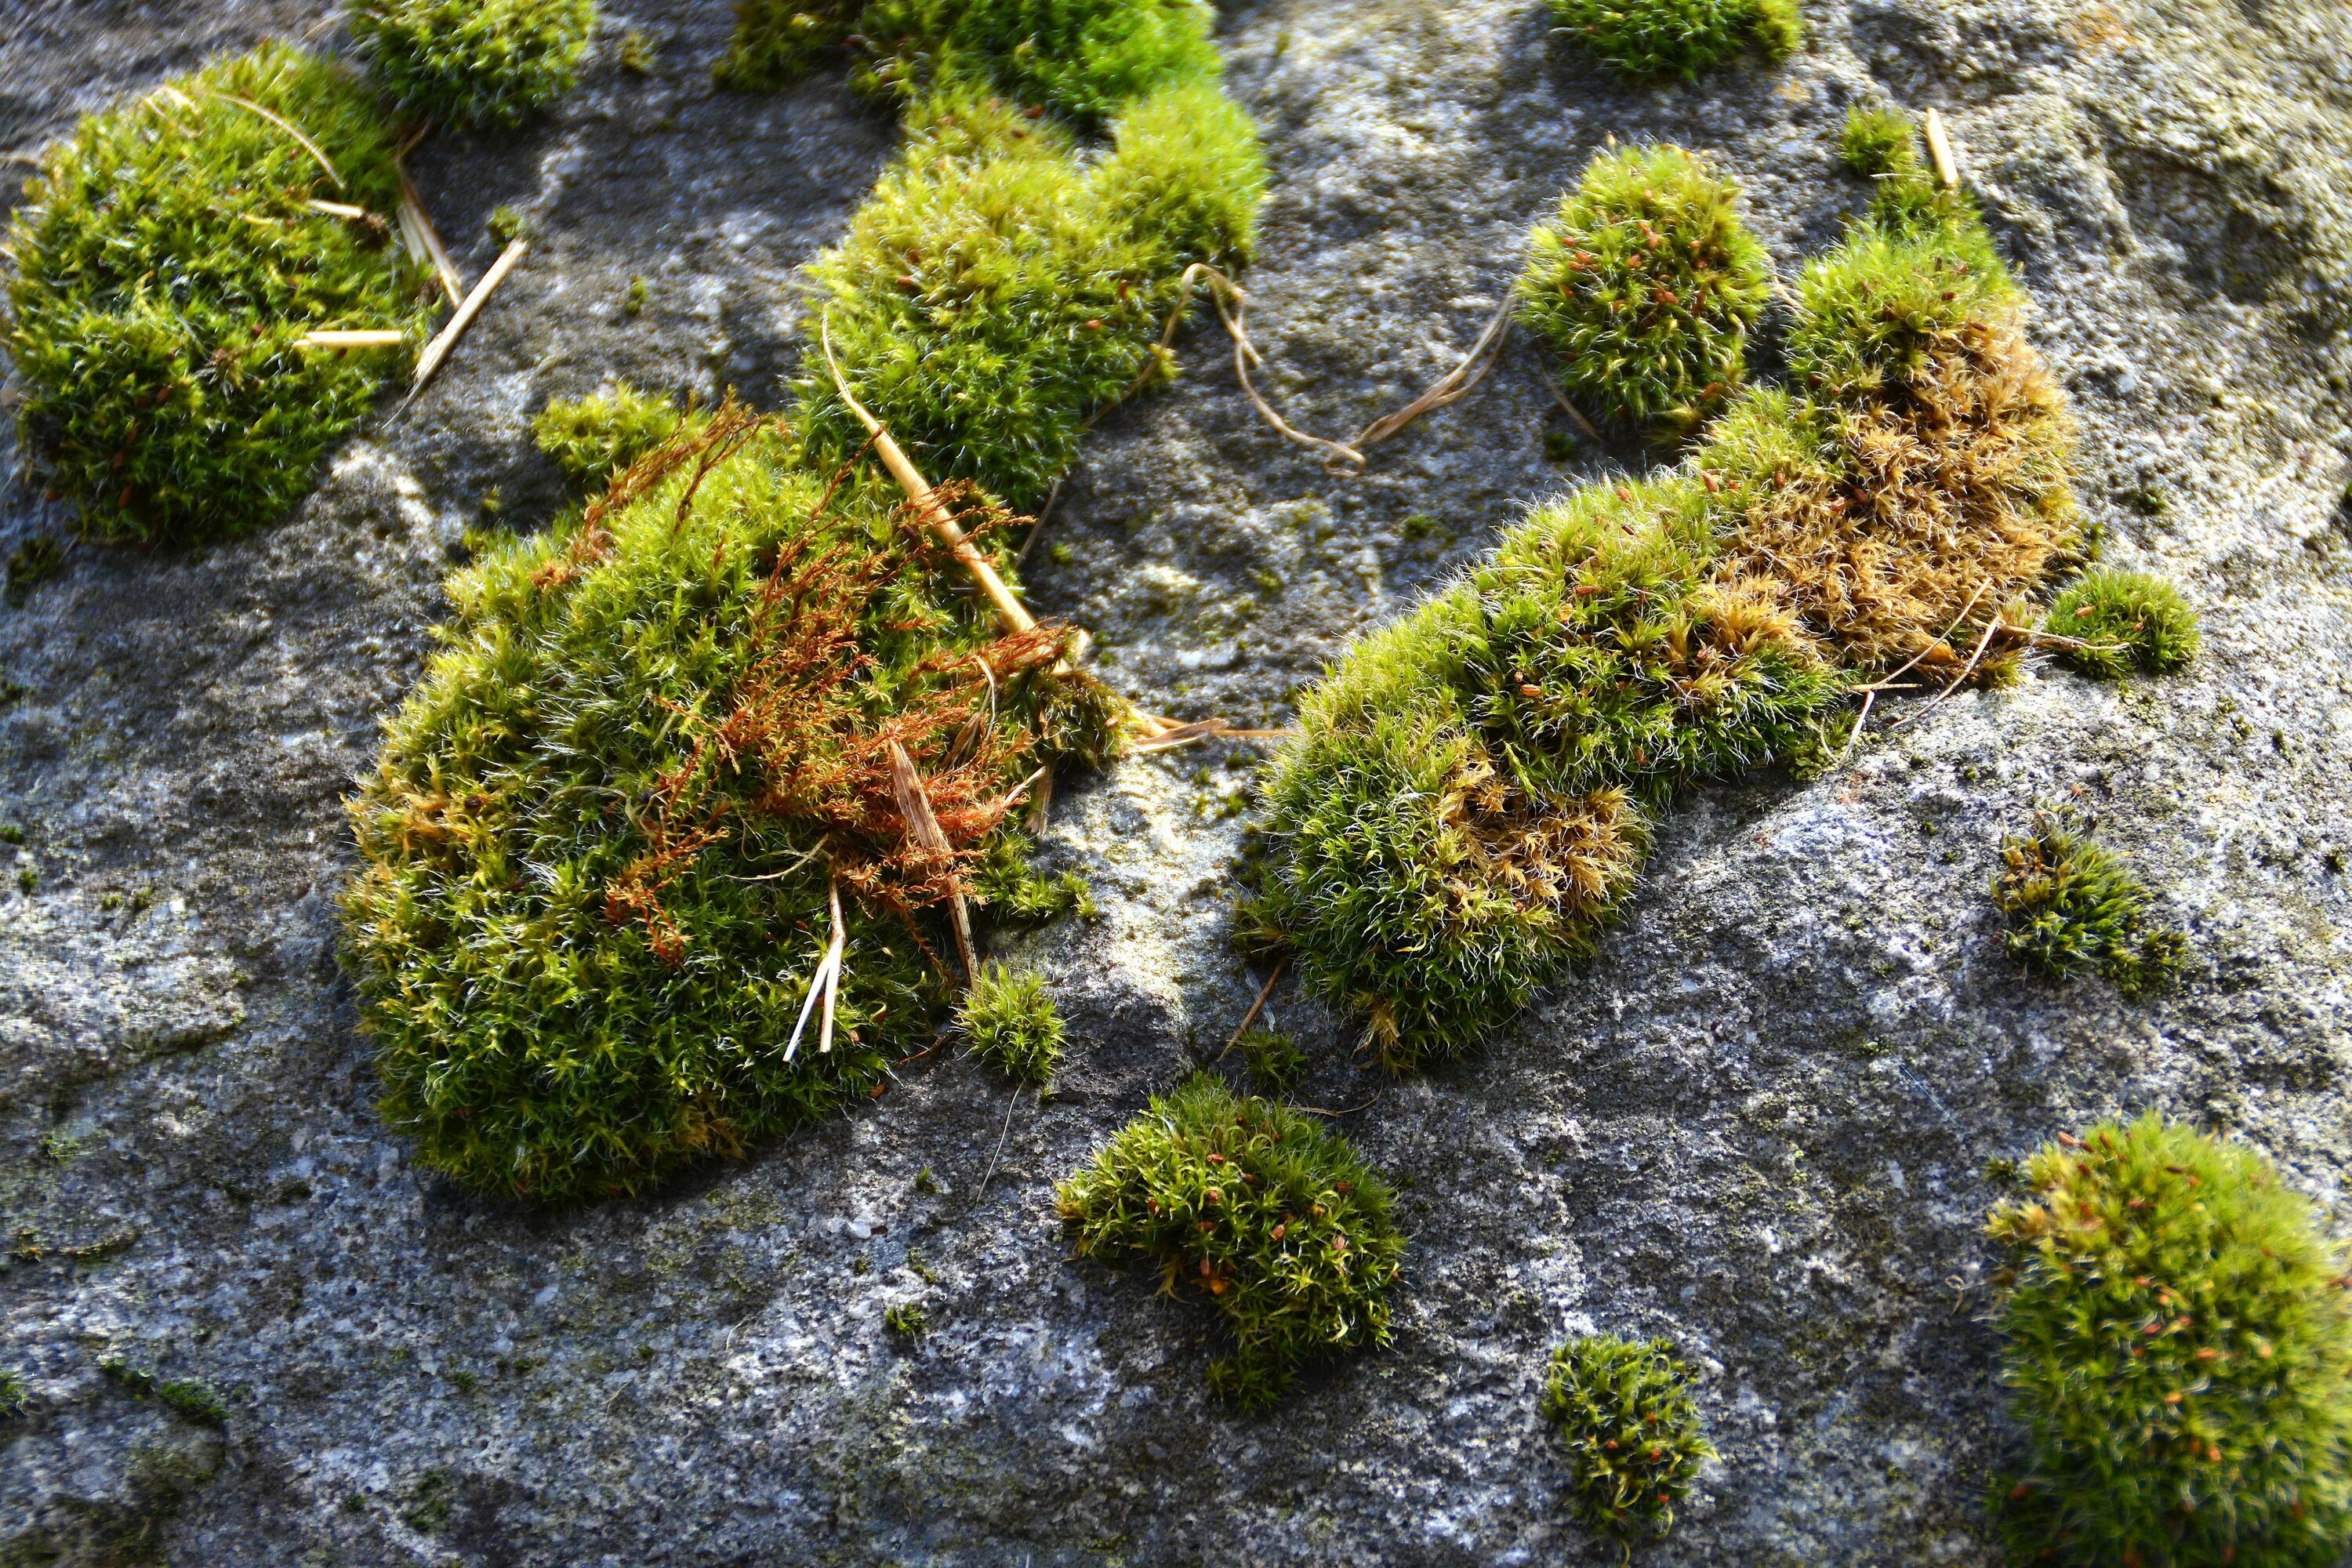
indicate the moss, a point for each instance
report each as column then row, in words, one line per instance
column 506, row 223
column 473, row 62
column 33, row 562
column 2131, row 621
column 1013, row 890
column 995, row 293
column 907, row 1321
column 2178, row 1347
column 599, row 844
column 1012, row 1023
column 1645, row 286
column 14, row 1396
column 1632, row 1429
column 2071, row 904
column 1275, row 1222
column 1470, row 792
column 1084, row 59
column 592, row 438
column 169, row 259
column 1680, row 38
column 184, row 1397
column 1276, row 1063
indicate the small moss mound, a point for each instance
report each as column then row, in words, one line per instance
column 601, row 844
column 1276, row 1063
column 907, row 1321
column 1632, row 1429
column 2180, row 1349
column 1013, row 1024
column 592, row 438
column 1645, row 286
column 2071, row 905
column 2129, row 621
column 1279, row 1224
column 995, row 293
column 1680, row 38
column 1083, row 58
column 14, row 1398
column 473, row 62
column 169, row 259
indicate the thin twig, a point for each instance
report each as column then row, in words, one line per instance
column 1223, row 290
column 428, row 238
column 342, row 209
column 359, row 338
column 1009, row 1107
column 832, row 955
column 1452, row 387
column 808, row 1005
column 1854, row 739
column 1319, row 1110
column 286, row 126
column 1037, row 524
column 1941, row 641
column 1967, row 669
column 923, row 827
column 429, row 363
column 1040, row 803
column 1572, row 410
column 1250, row 1018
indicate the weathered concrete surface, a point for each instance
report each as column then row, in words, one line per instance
column 1758, row 1121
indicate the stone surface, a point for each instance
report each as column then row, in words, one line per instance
column 1757, row 1121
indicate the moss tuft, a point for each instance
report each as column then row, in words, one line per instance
column 599, row 844
column 1680, row 38
column 33, row 562
column 1279, row 1222
column 1013, row 1024
column 995, row 293
column 1632, row 1429
column 2131, row 620
column 1645, row 286
column 14, row 1396
column 593, row 438
column 169, row 257
column 1013, row 890
column 1276, row 1063
column 2180, row 1349
column 2071, row 904
column 473, row 62
column 907, row 1321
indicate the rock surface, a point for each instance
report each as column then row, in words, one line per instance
column 1758, row 1121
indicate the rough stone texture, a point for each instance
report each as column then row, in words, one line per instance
column 1758, row 1121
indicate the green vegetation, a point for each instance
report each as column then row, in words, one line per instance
column 907, row 1321
column 1015, row 893
column 171, row 257
column 1680, row 38
column 2180, row 1349
column 1276, row 1222
column 2071, row 905
column 602, row 841
column 473, row 62
column 14, row 1398
column 1625, row 1412
column 193, row 1400
column 1011, row 1024
column 592, row 438
column 1083, row 58
column 2128, row 620
column 33, row 562
column 1276, row 1063
column 1471, row 791
column 1645, row 286
column 995, row 292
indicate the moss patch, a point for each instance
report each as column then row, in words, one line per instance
column 473, row 62
column 169, row 259
column 2179, row 1350
column 1012, row 1023
column 601, row 839
column 2071, row 904
column 2129, row 621
column 1680, row 38
column 1625, row 1412
column 1645, row 285
column 593, row 438
column 1275, row 1222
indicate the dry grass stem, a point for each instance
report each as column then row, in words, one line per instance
column 425, row 239
column 363, row 338
column 1451, row 388
column 428, row 363
column 923, row 827
column 1250, row 1018
column 1939, row 152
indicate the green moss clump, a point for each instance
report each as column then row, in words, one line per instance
column 1276, row 1063
column 193, row 1400
column 1680, row 38
column 907, row 1321
column 995, row 292
column 2129, row 621
column 169, row 259
column 1645, row 286
column 1013, row 890
column 33, row 562
column 2180, row 1349
column 14, row 1398
column 2071, row 904
column 1632, row 1429
column 1083, row 58
column 1468, row 795
column 1279, row 1224
column 599, row 846
column 592, row 438
column 473, row 62
column 1013, row 1024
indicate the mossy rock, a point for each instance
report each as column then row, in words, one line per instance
column 473, row 62
column 171, row 257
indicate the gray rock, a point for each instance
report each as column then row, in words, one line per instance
column 1757, row 1121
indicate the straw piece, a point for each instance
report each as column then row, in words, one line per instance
column 447, row 338
column 424, row 240
column 923, row 827
column 358, row 337
column 1939, row 152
